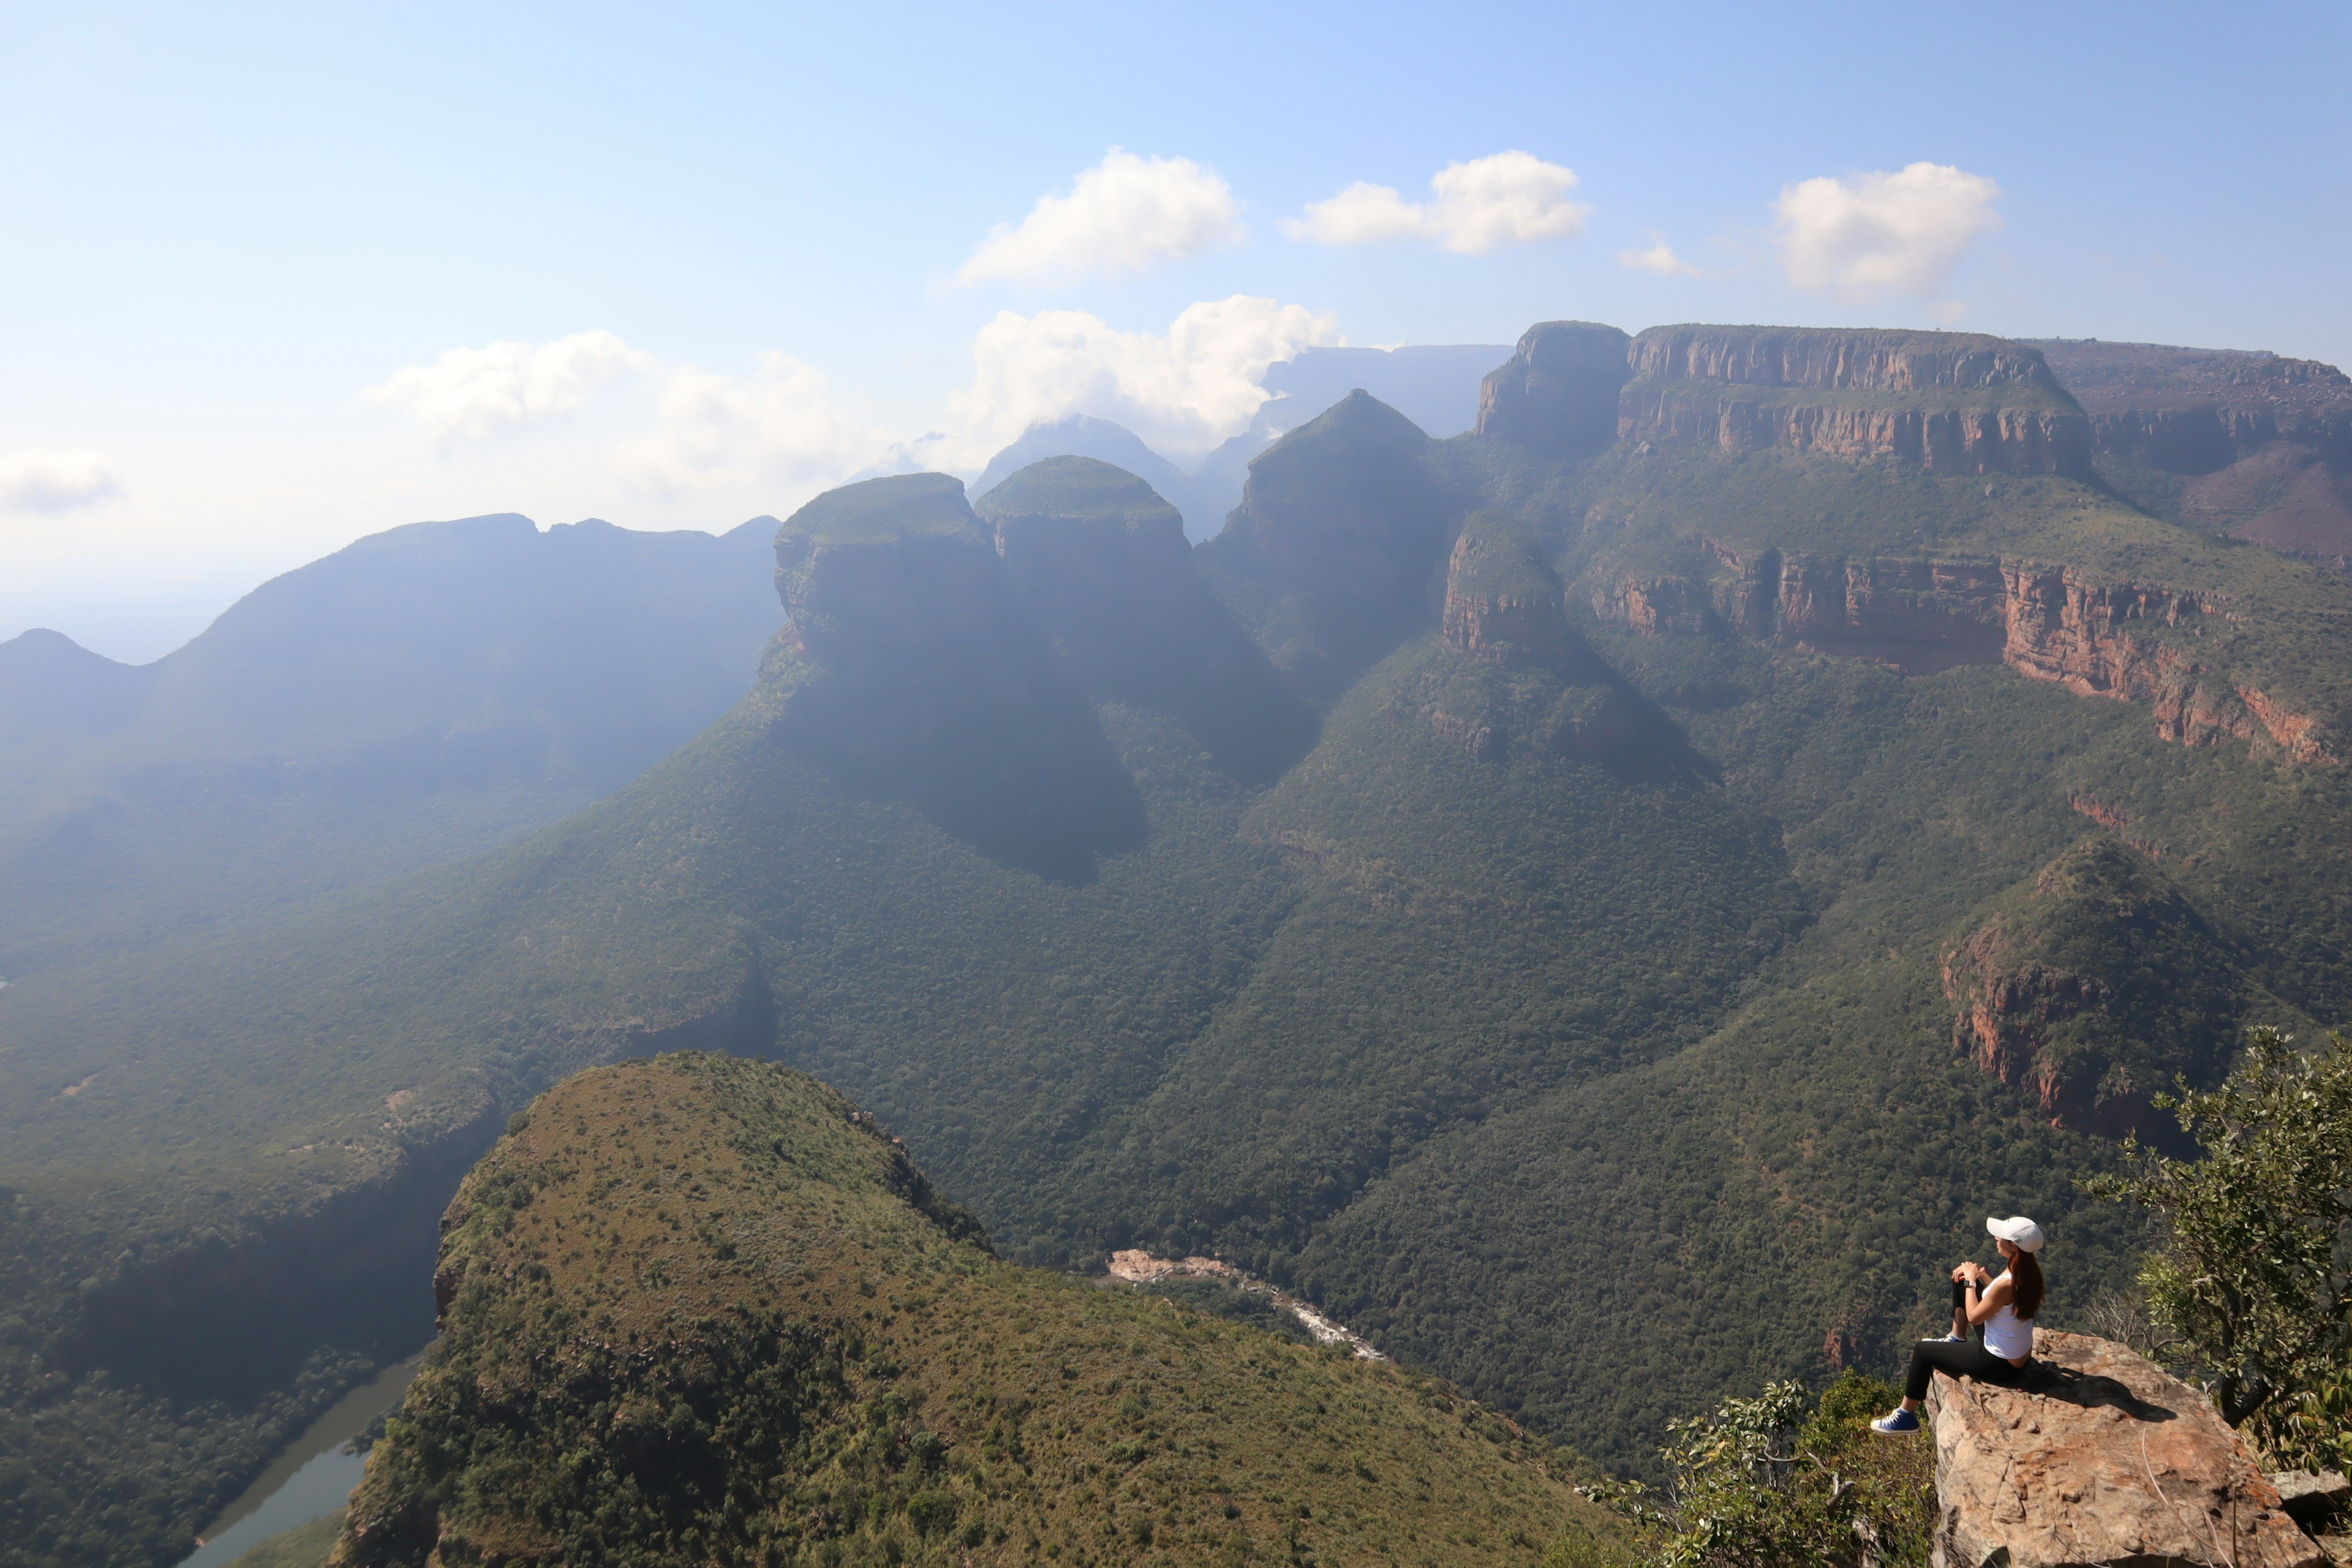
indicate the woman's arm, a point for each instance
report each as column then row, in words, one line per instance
column 1990, row 1299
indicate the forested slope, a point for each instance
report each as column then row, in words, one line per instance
column 1638, row 935
column 701, row 1308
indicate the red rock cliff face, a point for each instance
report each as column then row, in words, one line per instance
column 2002, row 1018
column 1983, row 405
column 1516, row 622
column 1921, row 617
column 2195, row 410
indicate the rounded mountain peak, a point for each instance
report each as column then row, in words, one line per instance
column 880, row 511
column 1076, row 489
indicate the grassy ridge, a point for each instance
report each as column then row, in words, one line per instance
column 700, row 1311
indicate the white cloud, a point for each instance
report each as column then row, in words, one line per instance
column 476, row 392
column 1879, row 232
column 53, row 482
column 781, row 428
column 1510, row 198
column 1124, row 214
column 1183, row 391
column 1658, row 258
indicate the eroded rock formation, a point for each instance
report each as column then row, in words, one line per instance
column 2105, row 1459
column 2190, row 411
column 908, row 671
column 1559, row 392
column 1502, row 603
column 1098, row 561
column 1922, row 616
column 2095, row 987
column 1952, row 401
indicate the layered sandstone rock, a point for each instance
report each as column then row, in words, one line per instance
column 1502, row 603
column 1952, row 401
column 1922, row 616
column 2191, row 411
column 2105, row 1460
column 885, row 570
column 2094, row 987
column 1559, row 392
column 2263, row 444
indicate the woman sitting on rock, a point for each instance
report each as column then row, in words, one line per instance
column 2002, row 1304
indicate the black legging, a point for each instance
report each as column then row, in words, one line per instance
column 1966, row 1357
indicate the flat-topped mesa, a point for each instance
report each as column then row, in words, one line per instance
column 2104, row 1458
column 886, row 569
column 2191, row 411
column 909, row 673
column 1502, row 603
column 1957, row 402
column 1558, row 393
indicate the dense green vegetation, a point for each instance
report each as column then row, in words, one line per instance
column 700, row 1311
column 1604, row 1070
column 2250, row 1276
column 1785, row 1477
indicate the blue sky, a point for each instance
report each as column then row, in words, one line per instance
column 221, row 228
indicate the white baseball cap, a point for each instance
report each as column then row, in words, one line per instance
column 2020, row 1231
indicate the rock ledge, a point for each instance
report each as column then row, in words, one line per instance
column 2105, row 1460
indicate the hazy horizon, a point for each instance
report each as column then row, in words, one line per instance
column 283, row 280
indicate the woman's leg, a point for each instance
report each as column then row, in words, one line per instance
column 1960, row 1309
column 1968, row 1360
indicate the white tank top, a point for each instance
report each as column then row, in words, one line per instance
column 2006, row 1335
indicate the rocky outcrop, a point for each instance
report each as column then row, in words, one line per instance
column 1344, row 526
column 908, row 671
column 1923, row 614
column 2191, row 411
column 2102, row 1460
column 1133, row 1265
column 1559, row 392
column 2095, row 987
column 1952, row 401
column 1098, row 562
column 1502, row 603
column 892, row 569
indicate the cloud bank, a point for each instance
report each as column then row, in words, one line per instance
column 1510, row 198
column 473, row 394
column 1125, row 215
column 781, row 428
column 1658, row 256
column 1872, row 235
column 36, row 480
column 1183, row 391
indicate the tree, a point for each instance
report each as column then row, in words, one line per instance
column 2251, row 1274
column 1775, row 1479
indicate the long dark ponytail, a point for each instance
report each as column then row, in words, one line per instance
column 2024, row 1285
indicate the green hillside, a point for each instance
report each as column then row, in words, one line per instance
column 420, row 694
column 696, row 1309
column 1606, row 1004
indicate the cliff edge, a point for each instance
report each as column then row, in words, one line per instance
column 2106, row 1459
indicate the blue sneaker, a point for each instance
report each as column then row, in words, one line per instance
column 1953, row 1339
column 1897, row 1421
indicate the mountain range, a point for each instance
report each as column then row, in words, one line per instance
column 1603, row 902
